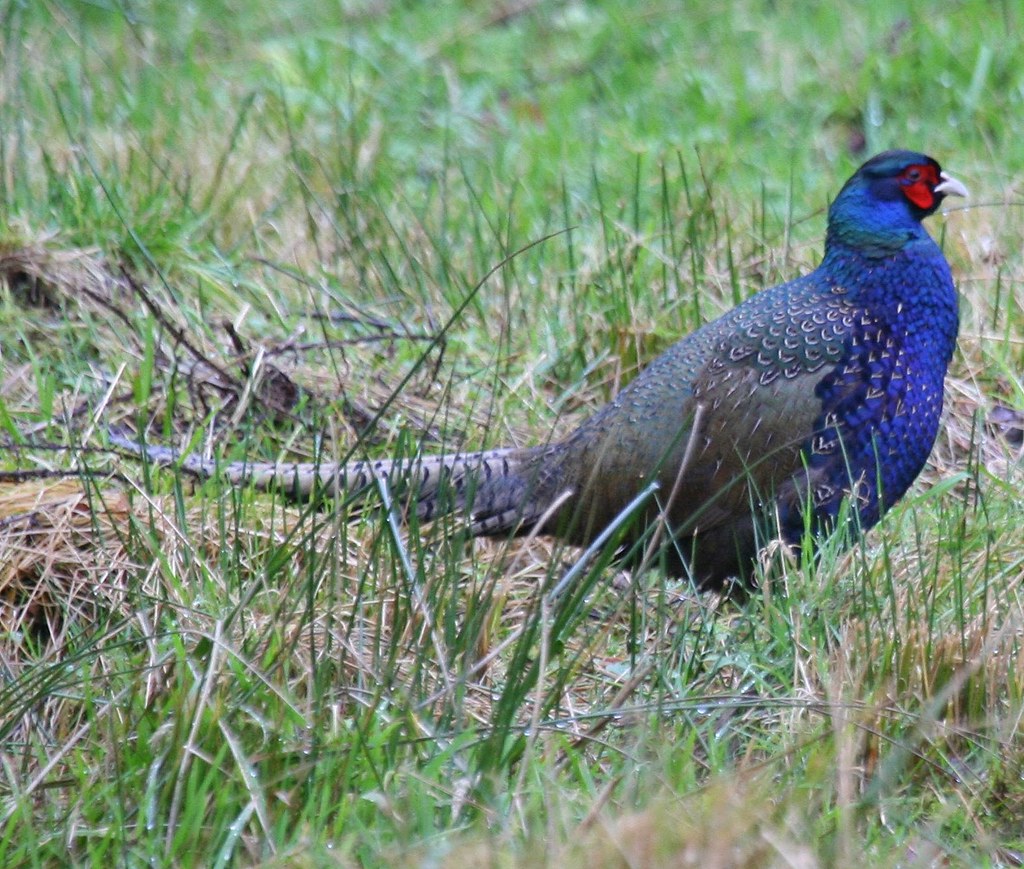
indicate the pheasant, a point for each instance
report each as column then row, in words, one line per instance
column 818, row 392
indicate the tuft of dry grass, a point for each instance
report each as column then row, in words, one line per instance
column 63, row 558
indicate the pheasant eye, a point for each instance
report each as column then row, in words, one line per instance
column 918, row 183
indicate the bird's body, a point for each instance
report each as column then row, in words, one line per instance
column 824, row 389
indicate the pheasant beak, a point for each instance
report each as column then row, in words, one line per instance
column 949, row 186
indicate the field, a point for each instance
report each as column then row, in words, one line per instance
column 308, row 231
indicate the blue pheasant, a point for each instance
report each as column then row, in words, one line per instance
column 823, row 390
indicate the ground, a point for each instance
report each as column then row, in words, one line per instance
column 284, row 231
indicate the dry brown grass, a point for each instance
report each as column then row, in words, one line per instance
column 62, row 557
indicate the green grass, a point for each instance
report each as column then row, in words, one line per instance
column 199, row 201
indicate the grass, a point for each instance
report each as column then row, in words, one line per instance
column 371, row 227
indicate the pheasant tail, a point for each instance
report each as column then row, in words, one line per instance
column 497, row 489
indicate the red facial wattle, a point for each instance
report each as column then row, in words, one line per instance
column 919, row 183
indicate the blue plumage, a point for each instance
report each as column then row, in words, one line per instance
column 825, row 388
column 882, row 401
